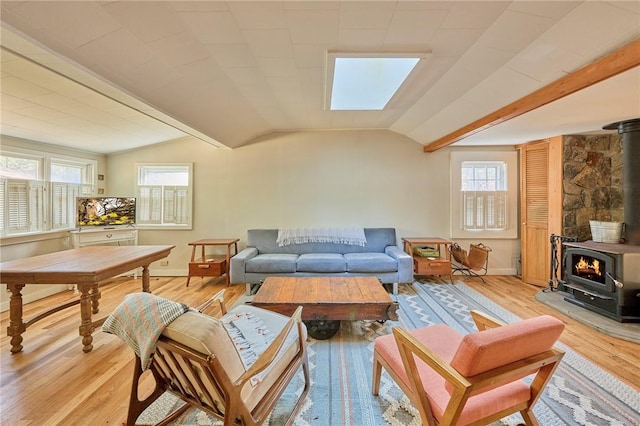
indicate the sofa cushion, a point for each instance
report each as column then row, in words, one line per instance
column 370, row 262
column 321, row 262
column 272, row 263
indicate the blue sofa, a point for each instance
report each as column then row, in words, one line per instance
column 380, row 257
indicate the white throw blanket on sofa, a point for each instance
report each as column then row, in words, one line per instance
column 350, row 236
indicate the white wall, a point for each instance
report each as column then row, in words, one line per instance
column 324, row 178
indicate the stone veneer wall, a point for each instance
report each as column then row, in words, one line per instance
column 592, row 182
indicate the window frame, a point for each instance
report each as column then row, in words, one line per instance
column 510, row 159
column 164, row 200
column 41, row 204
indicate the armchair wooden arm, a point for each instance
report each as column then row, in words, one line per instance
column 218, row 297
column 484, row 321
column 410, row 346
column 269, row 355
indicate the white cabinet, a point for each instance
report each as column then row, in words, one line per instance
column 125, row 236
column 104, row 236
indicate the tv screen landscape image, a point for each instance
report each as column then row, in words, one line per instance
column 105, row 211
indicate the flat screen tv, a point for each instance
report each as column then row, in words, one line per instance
column 105, row 211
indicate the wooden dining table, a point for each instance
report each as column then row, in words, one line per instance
column 84, row 267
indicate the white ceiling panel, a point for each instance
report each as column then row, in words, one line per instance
column 178, row 49
column 147, row 21
column 213, row 27
column 267, row 43
column 377, row 16
column 313, row 26
column 116, row 75
column 256, row 15
column 71, row 23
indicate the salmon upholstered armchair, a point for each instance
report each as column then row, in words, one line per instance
column 473, row 379
column 225, row 367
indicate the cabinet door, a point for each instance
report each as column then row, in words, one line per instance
column 540, row 206
column 534, row 193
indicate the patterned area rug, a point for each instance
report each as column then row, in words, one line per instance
column 579, row 394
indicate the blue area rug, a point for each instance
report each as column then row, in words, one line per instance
column 580, row 393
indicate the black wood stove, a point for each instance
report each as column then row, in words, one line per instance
column 604, row 278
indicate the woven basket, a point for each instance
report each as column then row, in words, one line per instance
column 606, row 232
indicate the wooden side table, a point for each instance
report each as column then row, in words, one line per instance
column 440, row 265
column 210, row 265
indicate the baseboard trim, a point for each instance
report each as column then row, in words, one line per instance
column 502, row 271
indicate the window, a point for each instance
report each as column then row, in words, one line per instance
column 164, row 195
column 38, row 191
column 367, row 81
column 484, row 194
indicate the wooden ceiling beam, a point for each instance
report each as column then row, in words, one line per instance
column 621, row 60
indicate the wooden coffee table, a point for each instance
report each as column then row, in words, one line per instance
column 327, row 300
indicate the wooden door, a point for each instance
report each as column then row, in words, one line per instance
column 534, row 213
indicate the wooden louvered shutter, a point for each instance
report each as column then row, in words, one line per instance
column 149, row 207
column 175, row 205
column 18, row 206
column 534, row 191
column 537, row 186
column 3, row 210
column 63, row 204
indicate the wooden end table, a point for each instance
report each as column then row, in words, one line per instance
column 440, row 265
column 210, row 265
column 327, row 300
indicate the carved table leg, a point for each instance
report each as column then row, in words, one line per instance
column 145, row 279
column 95, row 298
column 86, row 326
column 16, row 326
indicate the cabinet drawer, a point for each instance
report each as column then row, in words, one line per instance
column 424, row 266
column 106, row 237
column 212, row 268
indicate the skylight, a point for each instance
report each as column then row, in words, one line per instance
column 367, row 81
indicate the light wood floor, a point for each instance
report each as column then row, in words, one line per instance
column 53, row 382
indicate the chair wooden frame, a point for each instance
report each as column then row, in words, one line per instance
column 543, row 365
column 201, row 381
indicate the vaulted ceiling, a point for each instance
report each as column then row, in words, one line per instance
column 108, row 76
